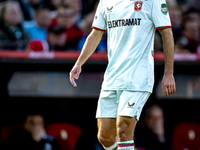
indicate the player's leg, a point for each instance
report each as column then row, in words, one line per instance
column 107, row 135
column 129, row 110
column 107, row 114
column 125, row 132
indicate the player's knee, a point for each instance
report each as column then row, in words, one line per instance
column 106, row 140
column 124, row 130
column 121, row 131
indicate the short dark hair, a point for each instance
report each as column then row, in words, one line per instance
column 41, row 8
column 192, row 10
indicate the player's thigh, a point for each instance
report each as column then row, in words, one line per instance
column 107, row 127
column 125, row 127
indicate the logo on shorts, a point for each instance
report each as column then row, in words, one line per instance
column 164, row 9
column 130, row 105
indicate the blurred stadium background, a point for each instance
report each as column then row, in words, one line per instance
column 34, row 74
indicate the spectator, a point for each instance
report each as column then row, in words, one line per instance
column 57, row 38
column 88, row 6
column 184, row 5
column 193, row 14
column 12, row 35
column 86, row 28
column 151, row 136
column 37, row 29
column 53, row 5
column 171, row 3
column 176, row 21
column 189, row 42
column 77, row 5
column 196, row 4
column 29, row 8
column 66, row 19
column 32, row 136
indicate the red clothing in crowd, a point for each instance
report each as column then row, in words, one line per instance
column 73, row 33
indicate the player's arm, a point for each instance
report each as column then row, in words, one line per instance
column 88, row 49
column 168, row 83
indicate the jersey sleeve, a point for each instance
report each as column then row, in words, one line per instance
column 99, row 22
column 160, row 14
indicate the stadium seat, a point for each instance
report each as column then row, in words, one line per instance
column 8, row 131
column 67, row 134
column 186, row 136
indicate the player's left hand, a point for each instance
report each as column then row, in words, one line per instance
column 168, row 84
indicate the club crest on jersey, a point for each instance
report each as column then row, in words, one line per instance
column 138, row 5
column 164, row 9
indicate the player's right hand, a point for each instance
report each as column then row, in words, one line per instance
column 74, row 74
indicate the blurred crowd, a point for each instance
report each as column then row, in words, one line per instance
column 39, row 25
column 185, row 20
column 62, row 25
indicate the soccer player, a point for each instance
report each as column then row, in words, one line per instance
column 129, row 77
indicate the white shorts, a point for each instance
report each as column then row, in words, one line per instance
column 121, row 103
